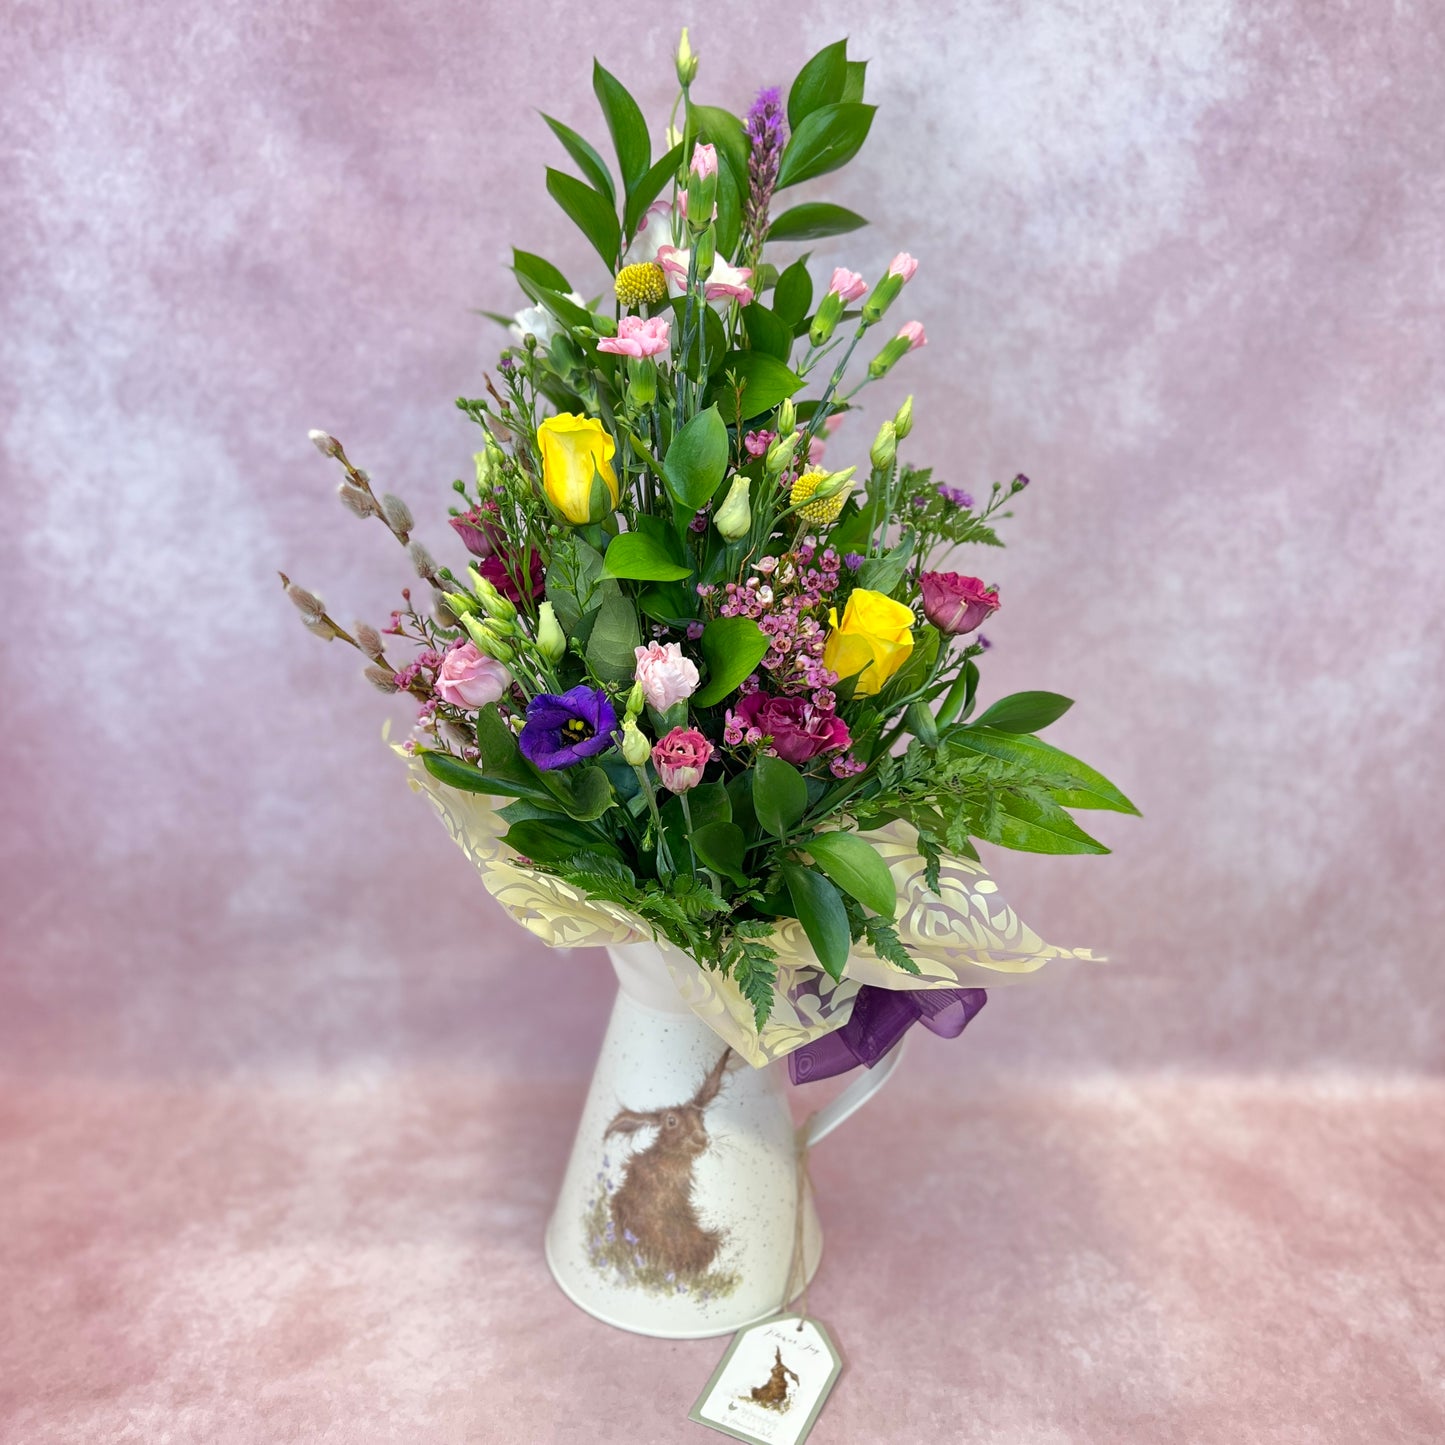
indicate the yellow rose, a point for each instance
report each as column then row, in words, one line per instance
column 873, row 640
column 577, row 470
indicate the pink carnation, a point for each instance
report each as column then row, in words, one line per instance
column 903, row 266
column 468, row 678
column 912, row 332
column 636, row 337
column 847, row 285
column 704, row 160
column 666, row 676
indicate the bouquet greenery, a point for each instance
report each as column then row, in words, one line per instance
column 701, row 663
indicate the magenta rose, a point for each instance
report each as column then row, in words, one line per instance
column 468, row 678
column 798, row 729
column 680, row 758
column 955, row 604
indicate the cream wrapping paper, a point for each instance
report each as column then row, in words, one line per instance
column 963, row 936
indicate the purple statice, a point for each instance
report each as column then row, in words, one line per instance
column 954, row 496
column 767, row 131
column 853, row 560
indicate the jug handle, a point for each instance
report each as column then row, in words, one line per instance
column 867, row 1083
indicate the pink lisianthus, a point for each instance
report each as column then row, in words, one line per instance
column 847, row 285
column 903, row 266
column 479, row 529
column 799, row 730
column 468, row 678
column 654, row 231
column 665, row 675
column 725, row 283
column 680, row 758
column 636, row 337
column 955, row 604
column 913, row 333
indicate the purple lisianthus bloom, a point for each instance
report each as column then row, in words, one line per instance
column 562, row 730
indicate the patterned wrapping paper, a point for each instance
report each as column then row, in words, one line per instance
column 963, row 936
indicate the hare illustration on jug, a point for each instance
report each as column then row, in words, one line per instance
column 648, row 1228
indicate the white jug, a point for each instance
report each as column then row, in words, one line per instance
column 678, row 1214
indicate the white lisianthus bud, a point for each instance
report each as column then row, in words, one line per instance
column 734, row 518
column 686, row 61
column 551, row 640
column 903, row 422
column 635, row 700
column 780, row 453
column 787, row 417
column 635, row 747
column 885, row 447
column 492, row 601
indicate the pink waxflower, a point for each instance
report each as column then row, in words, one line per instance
column 666, row 676
column 847, row 285
column 903, row 266
column 758, row 442
column 468, row 678
column 680, row 758
column 912, row 332
column 636, row 337
column 704, row 160
column 955, row 604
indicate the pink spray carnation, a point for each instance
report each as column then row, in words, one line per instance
column 913, row 333
column 680, row 758
column 903, row 266
column 704, row 160
column 955, row 604
column 847, row 285
column 665, row 675
column 636, row 337
column 468, row 678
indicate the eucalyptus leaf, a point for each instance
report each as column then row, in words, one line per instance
column 589, row 793
column 721, row 846
column 612, row 646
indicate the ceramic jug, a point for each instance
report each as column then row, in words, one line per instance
column 679, row 1210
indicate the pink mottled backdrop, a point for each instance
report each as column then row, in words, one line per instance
column 1181, row 264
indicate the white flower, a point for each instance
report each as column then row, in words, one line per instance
column 537, row 321
column 654, row 231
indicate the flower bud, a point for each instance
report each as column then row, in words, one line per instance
column 702, row 191
column 734, row 519
column 641, row 380
column 706, row 251
column 903, row 422
column 910, row 337
column 308, row 604
column 324, row 443
column 885, row 447
column 489, row 466
column 356, row 501
column 487, row 640
column 826, row 318
column 381, row 678
column 423, row 561
column 780, row 453
column 551, row 640
column 787, row 416
column 635, row 700
column 686, row 61
column 635, row 747
column 461, row 604
column 368, row 639
column 492, row 601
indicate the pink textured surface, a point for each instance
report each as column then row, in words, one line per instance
column 279, row 1128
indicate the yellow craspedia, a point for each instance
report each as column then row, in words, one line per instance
column 641, row 285
column 577, row 473
column 872, row 641
column 824, row 510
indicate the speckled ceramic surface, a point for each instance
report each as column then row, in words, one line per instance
column 678, row 1211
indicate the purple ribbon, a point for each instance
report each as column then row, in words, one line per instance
column 881, row 1016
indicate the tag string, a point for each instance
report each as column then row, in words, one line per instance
column 797, row 1260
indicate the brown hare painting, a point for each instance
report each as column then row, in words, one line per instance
column 653, row 1208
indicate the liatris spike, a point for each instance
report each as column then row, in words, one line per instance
column 767, row 132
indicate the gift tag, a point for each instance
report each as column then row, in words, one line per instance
column 771, row 1384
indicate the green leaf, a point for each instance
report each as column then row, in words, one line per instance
column 829, row 137
column 729, row 223
column 768, row 332
column 814, row 220
column 588, row 162
column 626, row 122
column 590, row 211
column 883, row 574
column 501, row 757
column 641, row 559
column 588, row 793
column 721, row 128
column 853, row 85
column 537, row 269
column 820, row 910
column 1024, row 712
column 611, row 646
column 709, row 334
column 572, row 578
column 720, row 846
column 755, row 973
column 765, row 381
column 793, row 294
column 819, row 82
column 732, row 648
column 857, row 868
column 1075, row 784
column 468, row 778
column 886, row 944
column 697, row 460
column 1036, row 825
column 647, row 190
column 780, row 796
column 559, row 842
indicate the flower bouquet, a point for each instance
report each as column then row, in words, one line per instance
column 703, row 681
